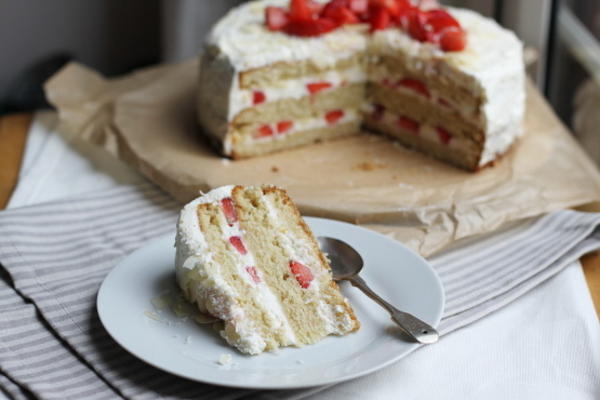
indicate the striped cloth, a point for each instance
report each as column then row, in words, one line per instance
column 56, row 255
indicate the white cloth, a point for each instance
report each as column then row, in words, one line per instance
column 544, row 345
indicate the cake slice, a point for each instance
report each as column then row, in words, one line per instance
column 245, row 256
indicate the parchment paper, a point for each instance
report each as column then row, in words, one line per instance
column 148, row 119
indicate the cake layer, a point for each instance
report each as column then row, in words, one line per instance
column 243, row 148
column 423, row 111
column 342, row 96
column 277, row 72
column 440, row 143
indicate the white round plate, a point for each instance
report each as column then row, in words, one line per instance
column 185, row 348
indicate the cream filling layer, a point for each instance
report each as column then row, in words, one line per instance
column 241, row 99
column 350, row 115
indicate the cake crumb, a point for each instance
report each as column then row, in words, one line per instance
column 370, row 166
column 225, row 359
column 274, row 168
column 153, row 315
column 225, row 161
column 300, row 362
column 187, row 340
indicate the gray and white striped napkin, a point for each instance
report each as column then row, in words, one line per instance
column 55, row 256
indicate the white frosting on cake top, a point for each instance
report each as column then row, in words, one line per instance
column 243, row 36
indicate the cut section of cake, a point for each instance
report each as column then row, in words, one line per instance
column 277, row 74
column 246, row 256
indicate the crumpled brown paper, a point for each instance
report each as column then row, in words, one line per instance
column 148, row 119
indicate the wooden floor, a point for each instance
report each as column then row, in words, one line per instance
column 13, row 133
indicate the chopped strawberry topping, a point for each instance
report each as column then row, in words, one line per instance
column 236, row 242
column 444, row 135
column 229, row 210
column 338, row 11
column 453, row 39
column 378, row 112
column 276, row 18
column 379, row 19
column 300, row 10
column 252, row 271
column 318, row 86
column 415, row 85
column 408, row 124
column 265, row 131
column 334, row 116
column 284, row 126
column 258, row 97
column 417, row 26
column 310, row 27
column 439, row 19
column 302, row 274
column 358, row 6
column 443, row 102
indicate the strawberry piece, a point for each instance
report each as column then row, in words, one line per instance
column 300, row 10
column 444, row 135
column 276, row 18
column 253, row 272
column 378, row 112
column 408, row 124
column 284, row 126
column 338, row 12
column 310, row 27
column 417, row 26
column 379, row 19
column 318, row 86
column 358, row 6
column 444, row 102
column 265, row 131
column 415, row 85
column 258, row 97
column 229, row 210
column 236, row 242
column 453, row 39
column 302, row 274
column 334, row 116
column 314, row 7
column 439, row 19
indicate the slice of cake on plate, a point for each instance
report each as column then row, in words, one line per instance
column 245, row 255
column 277, row 74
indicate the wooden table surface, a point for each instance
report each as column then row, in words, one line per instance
column 13, row 133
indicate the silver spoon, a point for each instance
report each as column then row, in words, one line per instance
column 346, row 263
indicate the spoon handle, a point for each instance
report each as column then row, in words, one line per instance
column 414, row 327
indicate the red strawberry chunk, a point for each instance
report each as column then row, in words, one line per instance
column 439, row 19
column 236, row 242
column 444, row 135
column 302, row 274
column 415, row 85
column 253, row 272
column 453, row 39
column 443, row 102
column 300, row 10
column 284, row 126
column 417, row 26
column 408, row 124
column 229, row 210
column 258, row 97
column 276, row 18
column 379, row 19
column 265, row 131
column 334, row 116
column 340, row 14
column 310, row 27
column 318, row 86
column 378, row 112
column 358, row 6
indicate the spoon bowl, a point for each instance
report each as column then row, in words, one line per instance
column 346, row 263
